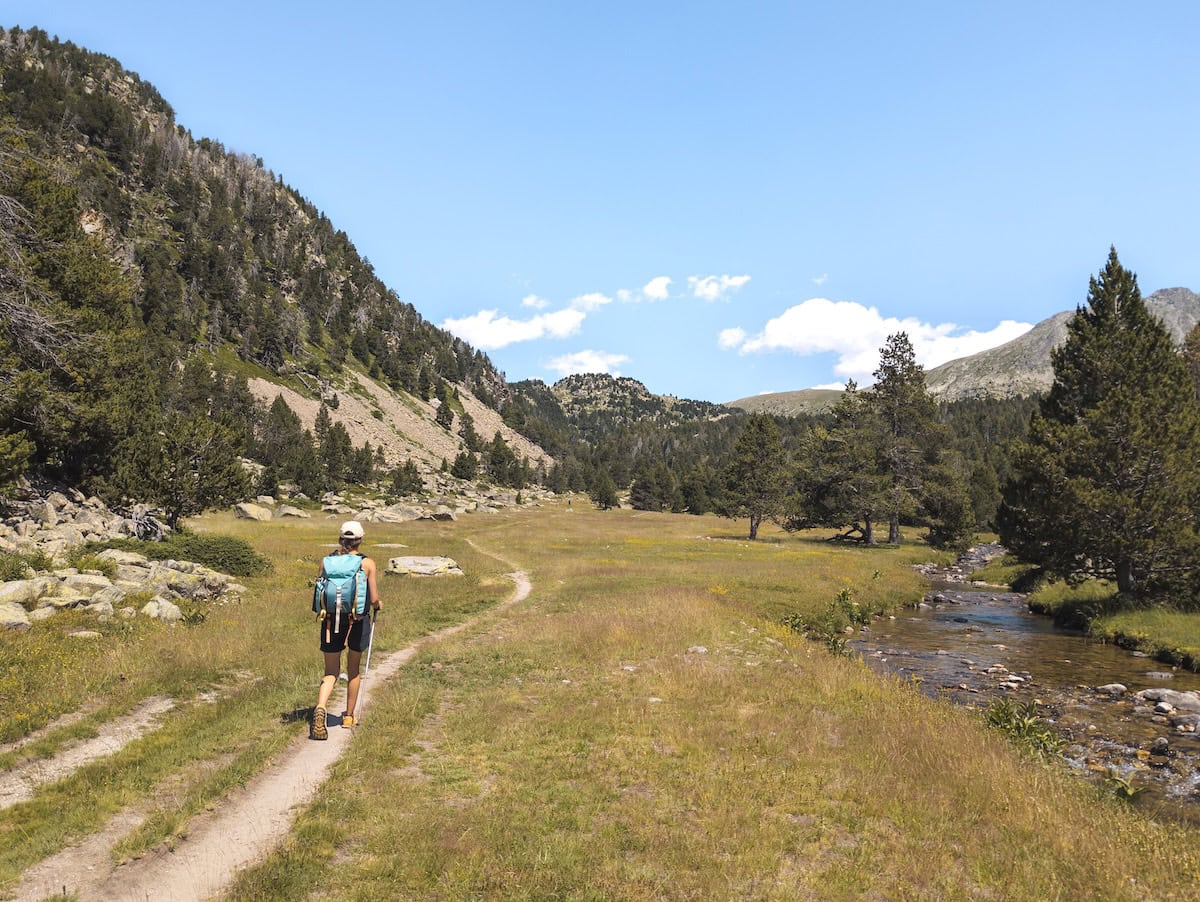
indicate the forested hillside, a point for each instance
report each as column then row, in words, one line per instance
column 146, row 274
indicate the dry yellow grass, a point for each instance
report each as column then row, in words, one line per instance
column 582, row 746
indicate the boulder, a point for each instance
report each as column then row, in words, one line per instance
column 100, row 608
column 26, row 592
column 1113, row 689
column 84, row 634
column 1188, row 702
column 423, row 566
column 265, row 500
column 286, row 510
column 111, row 596
column 247, row 511
column 41, row 614
column 13, row 616
column 129, row 558
column 86, row 584
column 63, row 599
column 160, row 608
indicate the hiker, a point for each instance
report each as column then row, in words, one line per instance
column 339, row 630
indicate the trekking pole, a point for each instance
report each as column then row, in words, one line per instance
column 362, row 686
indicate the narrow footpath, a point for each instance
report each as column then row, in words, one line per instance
column 246, row 826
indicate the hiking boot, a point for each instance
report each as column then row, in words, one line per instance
column 347, row 721
column 318, row 730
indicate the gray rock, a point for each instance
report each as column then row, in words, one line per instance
column 100, row 608
column 247, row 511
column 63, row 599
column 128, row 558
column 168, row 611
column 112, row 596
column 84, row 634
column 423, row 566
column 26, row 592
column 40, row 614
column 266, row 500
column 1186, row 720
column 1159, row 675
column 1112, row 689
column 286, row 510
column 1188, row 702
column 1164, row 708
column 1160, row 746
column 13, row 616
column 697, row 650
column 87, row 585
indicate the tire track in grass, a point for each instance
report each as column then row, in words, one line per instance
column 22, row 781
column 249, row 823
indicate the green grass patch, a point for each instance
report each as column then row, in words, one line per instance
column 1006, row 570
column 23, row 564
column 1167, row 634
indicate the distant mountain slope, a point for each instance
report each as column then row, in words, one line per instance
column 131, row 247
column 789, row 403
column 1022, row 366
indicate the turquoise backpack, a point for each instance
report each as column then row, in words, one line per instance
column 341, row 589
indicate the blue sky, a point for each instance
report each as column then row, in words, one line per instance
column 717, row 199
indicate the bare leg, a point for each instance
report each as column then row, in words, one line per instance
column 333, row 660
column 353, row 658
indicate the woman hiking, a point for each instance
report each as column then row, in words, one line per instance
column 347, row 573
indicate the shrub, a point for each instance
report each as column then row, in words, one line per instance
column 1021, row 723
column 22, row 564
column 227, row 554
column 82, row 558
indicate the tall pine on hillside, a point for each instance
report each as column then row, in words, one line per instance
column 1107, row 483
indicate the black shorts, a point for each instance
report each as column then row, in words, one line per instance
column 359, row 633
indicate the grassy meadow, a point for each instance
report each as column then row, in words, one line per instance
column 639, row 727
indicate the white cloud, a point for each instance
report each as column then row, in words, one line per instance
column 714, row 288
column 590, row 302
column 729, row 339
column 489, row 332
column 657, row 289
column 532, row 300
column 624, row 295
column 830, row 386
column 821, row 279
column 587, row 362
column 855, row 333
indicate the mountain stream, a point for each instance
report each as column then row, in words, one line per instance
column 972, row 643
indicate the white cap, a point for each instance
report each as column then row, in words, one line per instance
column 352, row 529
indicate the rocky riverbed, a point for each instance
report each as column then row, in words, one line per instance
column 1121, row 714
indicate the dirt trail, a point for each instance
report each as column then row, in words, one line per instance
column 22, row 782
column 247, row 825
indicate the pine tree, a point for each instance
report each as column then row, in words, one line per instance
column 603, row 491
column 906, row 417
column 1191, row 355
column 755, row 476
column 838, row 482
column 1106, row 485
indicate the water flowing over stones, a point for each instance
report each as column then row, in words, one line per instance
column 971, row 643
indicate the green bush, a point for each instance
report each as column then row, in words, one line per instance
column 1021, row 723
column 83, row 559
column 227, row 554
column 22, row 564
